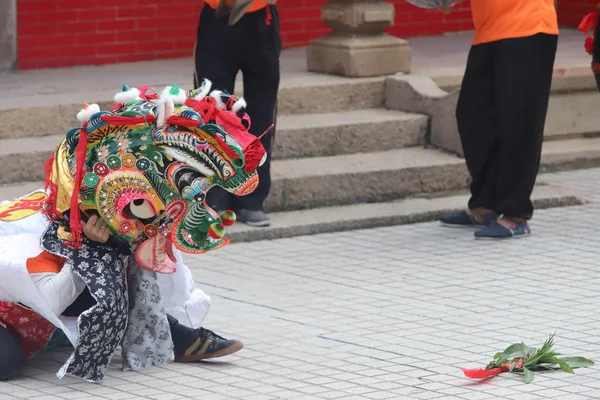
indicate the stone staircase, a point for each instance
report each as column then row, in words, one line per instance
column 341, row 160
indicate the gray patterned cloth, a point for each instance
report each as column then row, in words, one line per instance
column 137, row 320
column 148, row 339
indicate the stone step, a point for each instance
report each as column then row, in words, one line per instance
column 358, row 216
column 54, row 111
column 347, row 132
column 368, row 177
column 306, row 135
column 366, row 216
column 374, row 177
column 389, row 175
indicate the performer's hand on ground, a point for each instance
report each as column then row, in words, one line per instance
column 95, row 229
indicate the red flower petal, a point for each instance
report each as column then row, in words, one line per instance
column 481, row 373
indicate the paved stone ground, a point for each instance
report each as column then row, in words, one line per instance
column 383, row 313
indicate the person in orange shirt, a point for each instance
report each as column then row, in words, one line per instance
column 252, row 45
column 501, row 112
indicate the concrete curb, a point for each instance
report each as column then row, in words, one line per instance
column 366, row 216
column 355, row 216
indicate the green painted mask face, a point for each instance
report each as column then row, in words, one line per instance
column 149, row 164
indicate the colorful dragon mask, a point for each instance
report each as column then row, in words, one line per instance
column 146, row 166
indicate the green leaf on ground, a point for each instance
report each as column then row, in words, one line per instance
column 577, row 362
column 528, row 375
column 563, row 365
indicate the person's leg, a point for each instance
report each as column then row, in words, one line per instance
column 523, row 90
column 476, row 120
column 216, row 59
column 215, row 55
column 261, row 84
column 12, row 359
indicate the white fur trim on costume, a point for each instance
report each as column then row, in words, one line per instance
column 238, row 105
column 217, row 95
column 165, row 109
column 204, row 89
column 178, row 98
column 87, row 111
column 169, row 108
column 124, row 97
column 160, row 113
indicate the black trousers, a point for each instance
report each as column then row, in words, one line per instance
column 252, row 46
column 11, row 357
column 501, row 115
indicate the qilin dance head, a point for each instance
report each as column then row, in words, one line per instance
column 145, row 168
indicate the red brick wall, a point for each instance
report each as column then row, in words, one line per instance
column 301, row 21
column 571, row 12
column 59, row 33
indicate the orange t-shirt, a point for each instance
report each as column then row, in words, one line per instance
column 255, row 6
column 506, row 19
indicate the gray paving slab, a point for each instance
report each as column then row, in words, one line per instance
column 382, row 313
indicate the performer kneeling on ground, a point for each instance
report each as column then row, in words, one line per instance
column 66, row 294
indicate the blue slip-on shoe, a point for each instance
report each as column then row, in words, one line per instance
column 462, row 219
column 497, row 231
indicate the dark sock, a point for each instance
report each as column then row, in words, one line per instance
column 183, row 336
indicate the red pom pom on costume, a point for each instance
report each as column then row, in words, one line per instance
column 228, row 217
column 216, row 231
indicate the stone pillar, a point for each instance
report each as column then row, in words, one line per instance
column 8, row 34
column 358, row 45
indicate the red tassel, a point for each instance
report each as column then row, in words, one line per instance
column 120, row 120
column 193, row 103
column 76, row 226
column 226, row 149
column 182, row 121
